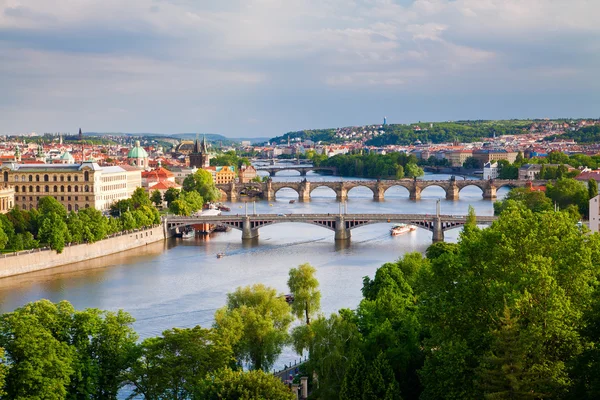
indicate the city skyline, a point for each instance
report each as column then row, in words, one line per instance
column 262, row 68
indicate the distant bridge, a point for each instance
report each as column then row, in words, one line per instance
column 341, row 224
column 267, row 190
column 303, row 170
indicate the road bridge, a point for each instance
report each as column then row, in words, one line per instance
column 303, row 170
column 341, row 224
column 267, row 190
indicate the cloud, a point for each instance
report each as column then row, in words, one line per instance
column 220, row 55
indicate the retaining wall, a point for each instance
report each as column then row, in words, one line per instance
column 40, row 259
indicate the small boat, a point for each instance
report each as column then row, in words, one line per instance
column 220, row 255
column 222, row 228
column 400, row 229
column 222, row 207
column 292, row 201
column 189, row 234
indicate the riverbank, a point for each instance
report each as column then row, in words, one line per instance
column 40, row 259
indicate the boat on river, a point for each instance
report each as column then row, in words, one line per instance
column 189, row 234
column 401, row 229
column 292, row 201
column 220, row 255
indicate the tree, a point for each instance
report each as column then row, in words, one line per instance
column 567, row 191
column 171, row 195
column 262, row 318
column 170, row 366
column 3, row 238
column 380, row 382
column 592, row 188
column 193, row 200
column 156, row 198
column 536, row 201
column 412, row 170
column 180, row 207
column 251, row 385
column 304, row 286
column 140, row 198
column 53, row 232
column 49, row 205
column 502, row 374
column 202, row 182
column 471, row 163
column 399, row 172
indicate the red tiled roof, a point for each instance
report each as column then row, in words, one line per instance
column 159, row 174
column 164, row 185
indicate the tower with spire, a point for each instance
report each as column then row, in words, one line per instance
column 18, row 154
column 80, row 135
column 199, row 156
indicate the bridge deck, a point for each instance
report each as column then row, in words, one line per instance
column 331, row 216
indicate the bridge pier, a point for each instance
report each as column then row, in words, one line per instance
column 341, row 194
column 489, row 192
column 303, row 172
column 341, row 233
column 269, row 193
column 304, row 192
column 232, row 193
column 378, row 193
column 272, row 173
column 452, row 192
column 438, row 231
column 415, row 193
column 247, row 232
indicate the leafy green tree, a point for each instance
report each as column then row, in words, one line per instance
column 502, row 373
column 3, row 238
column 40, row 365
column 412, row 170
column 170, row 366
column 592, row 188
column 140, row 198
column 262, row 318
column 354, row 378
column 128, row 221
column 399, row 172
column 567, row 191
column 536, row 201
column 304, row 286
column 118, row 208
column 156, row 198
column 334, row 341
column 49, row 205
column 180, row 207
column 227, row 384
column 380, row 382
column 193, row 199
column 171, row 195
column 537, row 263
column 202, row 182
column 95, row 224
column 471, row 163
column 53, row 231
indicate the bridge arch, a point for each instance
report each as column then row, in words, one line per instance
column 275, row 172
column 397, row 191
column 358, row 188
column 288, row 189
column 471, row 185
column 323, row 190
column 432, row 188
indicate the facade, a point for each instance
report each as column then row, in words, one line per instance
column 7, row 199
column 484, row 156
column 151, row 178
column 199, row 157
column 182, row 173
column 75, row 186
column 225, row 174
column 490, row 170
column 594, row 214
column 247, row 173
column 457, row 158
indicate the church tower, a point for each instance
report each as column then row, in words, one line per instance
column 199, row 157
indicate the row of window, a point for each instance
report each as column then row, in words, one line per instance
column 106, row 188
column 59, row 198
column 114, row 178
column 69, row 207
column 46, row 177
column 46, row 189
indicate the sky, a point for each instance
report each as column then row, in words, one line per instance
column 250, row 68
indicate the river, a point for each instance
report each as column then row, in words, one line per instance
column 180, row 283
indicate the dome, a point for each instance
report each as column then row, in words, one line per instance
column 137, row 151
column 67, row 156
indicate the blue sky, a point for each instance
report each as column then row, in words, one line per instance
column 265, row 67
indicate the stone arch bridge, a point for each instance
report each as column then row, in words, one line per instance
column 341, row 224
column 267, row 190
column 303, row 170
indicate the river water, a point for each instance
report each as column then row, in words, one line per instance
column 180, row 283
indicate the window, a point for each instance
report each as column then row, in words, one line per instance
column 30, row 178
column 69, row 207
column 30, row 189
column 55, row 189
column 24, row 189
column 76, row 188
column 76, row 206
column 5, row 176
column 86, row 176
column 46, row 179
column 69, row 178
column 46, row 189
column 16, row 189
column 37, row 178
column 37, row 189
column 76, row 178
column 69, row 198
column 62, row 188
column 62, row 178
column 87, row 206
column 87, row 188
column 69, row 188
column 54, row 178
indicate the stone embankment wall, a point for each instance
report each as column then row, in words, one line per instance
column 40, row 259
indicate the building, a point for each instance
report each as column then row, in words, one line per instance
column 457, row 158
column 247, row 174
column 490, row 170
column 152, row 177
column 182, row 172
column 225, row 174
column 531, row 171
column 199, row 157
column 137, row 156
column 75, row 186
column 490, row 155
column 7, row 199
column 594, row 214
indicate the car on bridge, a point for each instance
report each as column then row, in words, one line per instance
column 281, row 215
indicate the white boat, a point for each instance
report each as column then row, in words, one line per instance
column 189, row 234
column 220, row 255
column 400, row 229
